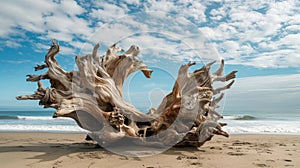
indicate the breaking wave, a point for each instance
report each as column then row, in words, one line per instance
column 240, row 117
column 31, row 118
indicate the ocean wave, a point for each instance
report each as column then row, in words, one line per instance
column 240, row 117
column 31, row 118
column 262, row 127
column 41, row 128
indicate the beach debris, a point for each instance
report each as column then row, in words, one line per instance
column 92, row 96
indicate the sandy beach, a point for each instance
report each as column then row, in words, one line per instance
column 71, row 150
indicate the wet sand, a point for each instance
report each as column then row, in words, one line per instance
column 71, row 150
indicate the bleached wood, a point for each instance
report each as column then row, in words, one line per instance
column 92, row 96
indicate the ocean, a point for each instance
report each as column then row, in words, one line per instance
column 243, row 123
column 36, row 121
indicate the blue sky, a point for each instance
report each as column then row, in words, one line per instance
column 260, row 39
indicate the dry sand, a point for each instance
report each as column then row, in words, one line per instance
column 71, row 150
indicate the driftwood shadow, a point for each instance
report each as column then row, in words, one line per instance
column 53, row 151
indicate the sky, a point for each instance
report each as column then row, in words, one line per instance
column 259, row 39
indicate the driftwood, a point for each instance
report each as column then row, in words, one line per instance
column 92, row 96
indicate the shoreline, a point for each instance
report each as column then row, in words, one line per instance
column 75, row 132
column 28, row 149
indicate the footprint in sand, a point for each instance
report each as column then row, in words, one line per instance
column 235, row 154
column 186, row 157
column 180, row 157
column 196, row 164
column 56, row 164
column 191, row 157
column 239, row 143
column 217, row 148
column 270, row 160
column 261, row 165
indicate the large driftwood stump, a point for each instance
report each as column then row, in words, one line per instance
column 92, row 96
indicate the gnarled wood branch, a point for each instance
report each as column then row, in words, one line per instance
column 92, row 96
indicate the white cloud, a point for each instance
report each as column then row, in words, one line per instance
column 25, row 14
column 71, row 7
column 154, row 6
column 46, row 20
column 111, row 33
column 134, row 2
column 194, row 9
column 292, row 28
column 256, row 33
column 12, row 44
column 266, row 33
column 108, row 12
